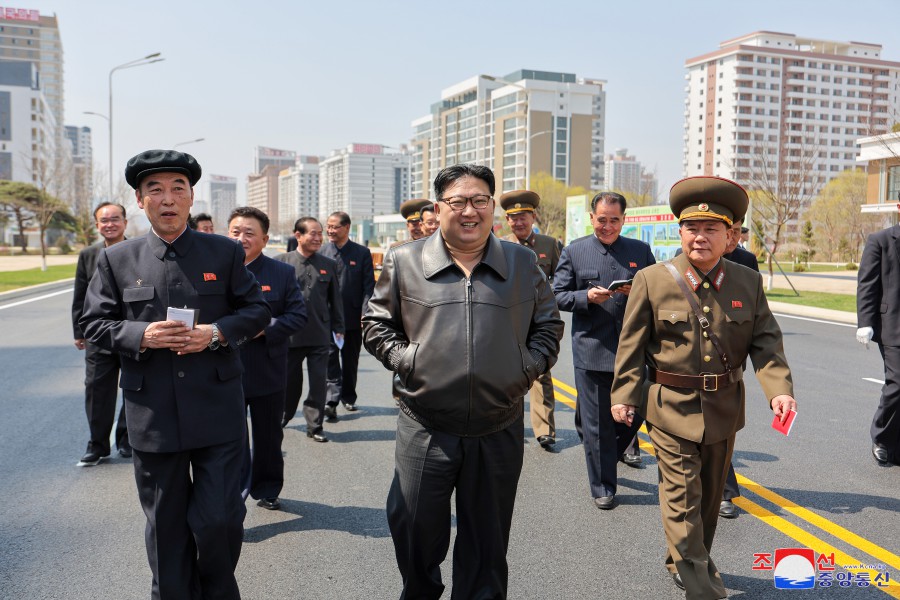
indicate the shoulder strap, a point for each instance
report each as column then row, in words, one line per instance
column 704, row 322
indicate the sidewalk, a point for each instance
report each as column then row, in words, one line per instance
column 24, row 262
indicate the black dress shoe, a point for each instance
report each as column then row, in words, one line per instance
column 331, row 414
column 269, row 503
column 125, row 452
column 350, row 407
column 633, row 460
column 727, row 510
column 317, row 437
column 90, row 459
column 546, row 441
column 881, row 455
column 678, row 582
column 605, row 502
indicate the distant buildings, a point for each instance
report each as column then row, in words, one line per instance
column 298, row 192
column 220, row 198
column 79, row 140
column 785, row 110
column 262, row 191
column 28, row 131
column 625, row 174
column 264, row 157
column 881, row 155
column 364, row 180
column 518, row 125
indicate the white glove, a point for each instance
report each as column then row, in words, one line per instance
column 864, row 335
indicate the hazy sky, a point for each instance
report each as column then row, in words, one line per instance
column 313, row 76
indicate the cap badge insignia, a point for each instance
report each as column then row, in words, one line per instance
column 518, row 205
column 703, row 207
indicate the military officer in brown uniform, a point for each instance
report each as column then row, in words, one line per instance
column 691, row 392
column 520, row 208
column 412, row 212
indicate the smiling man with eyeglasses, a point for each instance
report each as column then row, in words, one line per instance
column 466, row 322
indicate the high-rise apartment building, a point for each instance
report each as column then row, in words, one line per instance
column 27, row 125
column 784, row 109
column 262, row 191
column 263, row 157
column 298, row 192
column 219, row 198
column 518, row 125
column 623, row 172
column 27, row 35
column 79, row 140
column 363, row 180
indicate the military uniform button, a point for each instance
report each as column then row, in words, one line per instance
column 181, row 373
column 706, row 335
column 171, row 255
column 706, row 309
column 706, row 285
column 707, row 358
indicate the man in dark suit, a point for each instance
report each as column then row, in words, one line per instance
column 265, row 356
column 586, row 268
column 878, row 319
column 182, row 383
column 101, row 373
column 319, row 278
column 357, row 284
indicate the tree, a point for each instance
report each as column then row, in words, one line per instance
column 31, row 206
column 781, row 181
column 13, row 201
column 552, row 211
column 840, row 226
column 807, row 236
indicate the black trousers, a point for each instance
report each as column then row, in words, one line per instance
column 263, row 462
column 603, row 439
column 101, row 390
column 885, row 428
column 195, row 520
column 484, row 471
column 317, row 366
column 732, row 490
column 343, row 365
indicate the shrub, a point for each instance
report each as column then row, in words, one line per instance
column 851, row 266
column 799, row 268
column 62, row 244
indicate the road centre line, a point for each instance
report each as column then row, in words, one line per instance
column 878, row 381
column 44, row 297
column 784, row 526
column 811, row 541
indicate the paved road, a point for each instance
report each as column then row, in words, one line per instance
column 76, row 534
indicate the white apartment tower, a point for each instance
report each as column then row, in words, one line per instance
column 363, row 180
column 298, row 192
column 220, row 198
column 28, row 129
column 518, row 125
column 27, row 35
column 783, row 107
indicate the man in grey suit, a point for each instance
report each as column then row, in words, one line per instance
column 878, row 319
column 357, row 285
column 182, row 382
column 586, row 270
column 318, row 277
column 101, row 372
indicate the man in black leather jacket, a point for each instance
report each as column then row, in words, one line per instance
column 467, row 322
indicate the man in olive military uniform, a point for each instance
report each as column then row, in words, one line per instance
column 412, row 212
column 520, row 208
column 670, row 371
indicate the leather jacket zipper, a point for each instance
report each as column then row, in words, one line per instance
column 470, row 347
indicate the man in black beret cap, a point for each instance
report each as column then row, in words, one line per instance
column 181, row 377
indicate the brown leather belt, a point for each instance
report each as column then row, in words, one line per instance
column 708, row 382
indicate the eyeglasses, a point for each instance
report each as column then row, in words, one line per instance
column 458, row 203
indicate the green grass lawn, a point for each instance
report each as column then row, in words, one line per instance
column 845, row 302
column 10, row 280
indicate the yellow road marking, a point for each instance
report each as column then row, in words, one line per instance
column 810, row 541
column 563, row 391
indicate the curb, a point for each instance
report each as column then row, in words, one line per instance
column 31, row 290
column 826, row 314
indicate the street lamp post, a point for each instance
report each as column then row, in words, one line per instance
column 188, row 142
column 139, row 62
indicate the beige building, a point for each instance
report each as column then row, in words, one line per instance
column 882, row 155
column 518, row 125
column 262, row 191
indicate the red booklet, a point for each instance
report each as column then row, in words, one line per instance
column 785, row 427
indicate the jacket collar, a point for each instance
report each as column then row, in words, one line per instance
column 180, row 245
column 436, row 257
column 695, row 278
